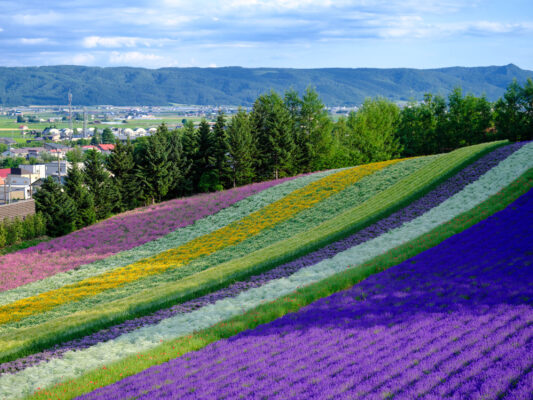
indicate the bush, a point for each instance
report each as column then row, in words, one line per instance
column 15, row 231
column 28, row 227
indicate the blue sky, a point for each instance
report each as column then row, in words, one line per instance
column 267, row 33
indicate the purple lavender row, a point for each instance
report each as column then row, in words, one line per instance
column 454, row 322
column 417, row 208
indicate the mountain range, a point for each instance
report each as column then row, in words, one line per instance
column 118, row 86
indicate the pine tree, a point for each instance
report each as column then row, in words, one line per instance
column 189, row 139
column 122, row 165
column 99, row 184
column 220, row 152
column 204, row 168
column 155, row 169
column 84, row 201
column 314, row 133
column 275, row 145
column 179, row 166
column 96, row 139
column 241, row 149
column 57, row 208
column 107, row 136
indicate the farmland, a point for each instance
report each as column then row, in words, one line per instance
column 394, row 279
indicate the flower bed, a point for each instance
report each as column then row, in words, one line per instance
column 145, row 338
column 233, row 233
column 119, row 233
column 85, row 321
column 200, row 227
column 326, row 209
column 414, row 331
column 415, row 209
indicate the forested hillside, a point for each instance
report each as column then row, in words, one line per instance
column 241, row 86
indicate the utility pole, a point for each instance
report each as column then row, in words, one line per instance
column 58, row 169
column 84, row 122
column 70, row 111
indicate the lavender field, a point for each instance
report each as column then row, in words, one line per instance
column 453, row 322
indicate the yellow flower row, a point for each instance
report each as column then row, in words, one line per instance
column 232, row 234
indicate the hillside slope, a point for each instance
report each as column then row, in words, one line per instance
column 269, row 251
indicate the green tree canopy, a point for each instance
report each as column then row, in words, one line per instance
column 99, row 184
column 57, row 208
column 83, row 200
column 241, row 149
column 271, row 122
column 372, row 132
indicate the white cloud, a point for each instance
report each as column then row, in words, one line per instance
column 33, row 41
column 135, row 58
column 91, row 42
column 49, row 18
column 116, row 41
column 82, row 59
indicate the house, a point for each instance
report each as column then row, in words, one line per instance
column 8, row 141
column 15, row 187
column 34, row 152
column 106, row 148
column 90, row 147
column 4, row 172
column 51, row 169
column 52, row 134
column 35, row 169
column 56, row 149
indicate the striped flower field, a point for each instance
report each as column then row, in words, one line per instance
column 401, row 279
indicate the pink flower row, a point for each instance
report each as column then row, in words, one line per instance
column 116, row 234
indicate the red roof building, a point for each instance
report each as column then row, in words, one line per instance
column 4, row 172
column 106, row 147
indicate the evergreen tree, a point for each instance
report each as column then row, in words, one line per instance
column 314, row 133
column 271, row 123
column 221, row 152
column 107, row 136
column 155, row 169
column 293, row 104
column 96, row 139
column 99, row 184
column 204, row 167
column 121, row 164
column 241, row 149
column 83, row 200
column 57, row 208
column 178, row 164
column 189, row 139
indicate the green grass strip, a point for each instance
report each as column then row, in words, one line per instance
column 23, row 245
column 287, row 304
column 28, row 340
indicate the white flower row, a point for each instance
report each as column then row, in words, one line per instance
column 76, row 363
column 176, row 238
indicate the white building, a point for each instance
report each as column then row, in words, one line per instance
column 51, row 168
column 36, row 169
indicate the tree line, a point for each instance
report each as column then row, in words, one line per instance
column 281, row 136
